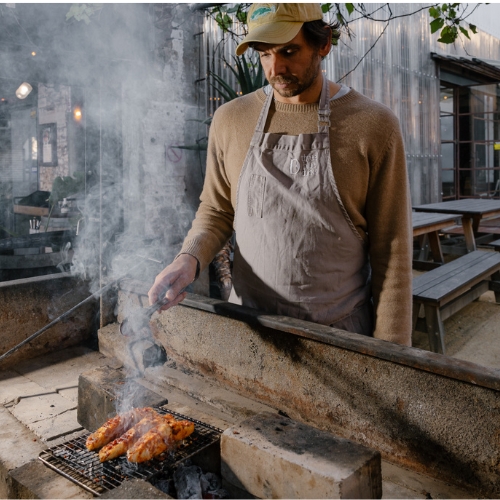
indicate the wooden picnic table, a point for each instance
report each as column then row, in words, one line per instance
column 427, row 225
column 472, row 210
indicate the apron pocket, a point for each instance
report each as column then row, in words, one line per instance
column 256, row 191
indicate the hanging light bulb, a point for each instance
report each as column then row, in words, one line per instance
column 77, row 114
column 24, row 90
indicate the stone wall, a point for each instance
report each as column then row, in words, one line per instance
column 28, row 305
column 162, row 183
column 54, row 106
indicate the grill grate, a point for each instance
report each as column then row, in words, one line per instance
column 73, row 461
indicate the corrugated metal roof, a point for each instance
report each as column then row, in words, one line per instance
column 480, row 70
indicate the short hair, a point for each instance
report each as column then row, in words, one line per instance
column 317, row 33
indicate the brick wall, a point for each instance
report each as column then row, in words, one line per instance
column 54, row 106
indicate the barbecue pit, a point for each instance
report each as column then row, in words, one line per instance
column 72, row 459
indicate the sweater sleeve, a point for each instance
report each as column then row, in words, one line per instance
column 388, row 212
column 213, row 224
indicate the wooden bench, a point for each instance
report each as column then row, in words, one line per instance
column 495, row 244
column 447, row 289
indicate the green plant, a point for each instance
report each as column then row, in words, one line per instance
column 63, row 187
column 249, row 76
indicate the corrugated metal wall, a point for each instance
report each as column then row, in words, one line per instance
column 398, row 71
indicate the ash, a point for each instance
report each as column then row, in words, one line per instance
column 189, row 481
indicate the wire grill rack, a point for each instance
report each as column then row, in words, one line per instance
column 73, row 461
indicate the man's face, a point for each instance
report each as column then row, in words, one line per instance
column 291, row 68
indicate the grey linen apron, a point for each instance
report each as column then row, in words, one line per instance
column 297, row 252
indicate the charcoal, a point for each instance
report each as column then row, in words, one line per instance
column 210, row 482
column 187, row 482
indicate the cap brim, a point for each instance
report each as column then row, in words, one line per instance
column 273, row 33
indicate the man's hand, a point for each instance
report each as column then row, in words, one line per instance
column 171, row 282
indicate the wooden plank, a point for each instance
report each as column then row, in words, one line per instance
column 460, row 302
column 430, row 279
column 26, row 210
column 427, row 219
column 454, row 267
column 470, row 206
column 33, row 261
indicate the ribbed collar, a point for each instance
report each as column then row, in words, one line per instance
column 307, row 108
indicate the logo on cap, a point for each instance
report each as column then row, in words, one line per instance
column 261, row 12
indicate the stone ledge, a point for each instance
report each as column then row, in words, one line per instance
column 158, row 378
column 35, row 480
column 135, row 488
column 229, row 402
column 271, row 456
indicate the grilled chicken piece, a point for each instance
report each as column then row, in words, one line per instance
column 181, row 429
column 151, row 444
column 115, row 427
column 120, row 445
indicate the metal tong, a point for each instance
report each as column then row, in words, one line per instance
column 139, row 321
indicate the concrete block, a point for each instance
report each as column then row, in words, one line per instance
column 203, row 389
column 135, row 488
column 271, row 456
column 104, row 392
column 35, row 480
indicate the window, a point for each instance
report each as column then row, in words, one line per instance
column 470, row 141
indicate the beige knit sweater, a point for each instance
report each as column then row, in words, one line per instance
column 368, row 162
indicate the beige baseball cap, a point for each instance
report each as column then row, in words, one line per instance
column 277, row 23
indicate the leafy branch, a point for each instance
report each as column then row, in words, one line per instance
column 450, row 18
column 447, row 18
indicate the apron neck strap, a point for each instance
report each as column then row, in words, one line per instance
column 261, row 123
column 324, row 108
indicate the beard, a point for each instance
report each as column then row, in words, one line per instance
column 298, row 85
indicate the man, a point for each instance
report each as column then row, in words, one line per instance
column 311, row 176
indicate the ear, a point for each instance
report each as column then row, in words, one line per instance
column 325, row 50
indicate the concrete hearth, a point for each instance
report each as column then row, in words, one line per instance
column 418, row 409
column 34, row 382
